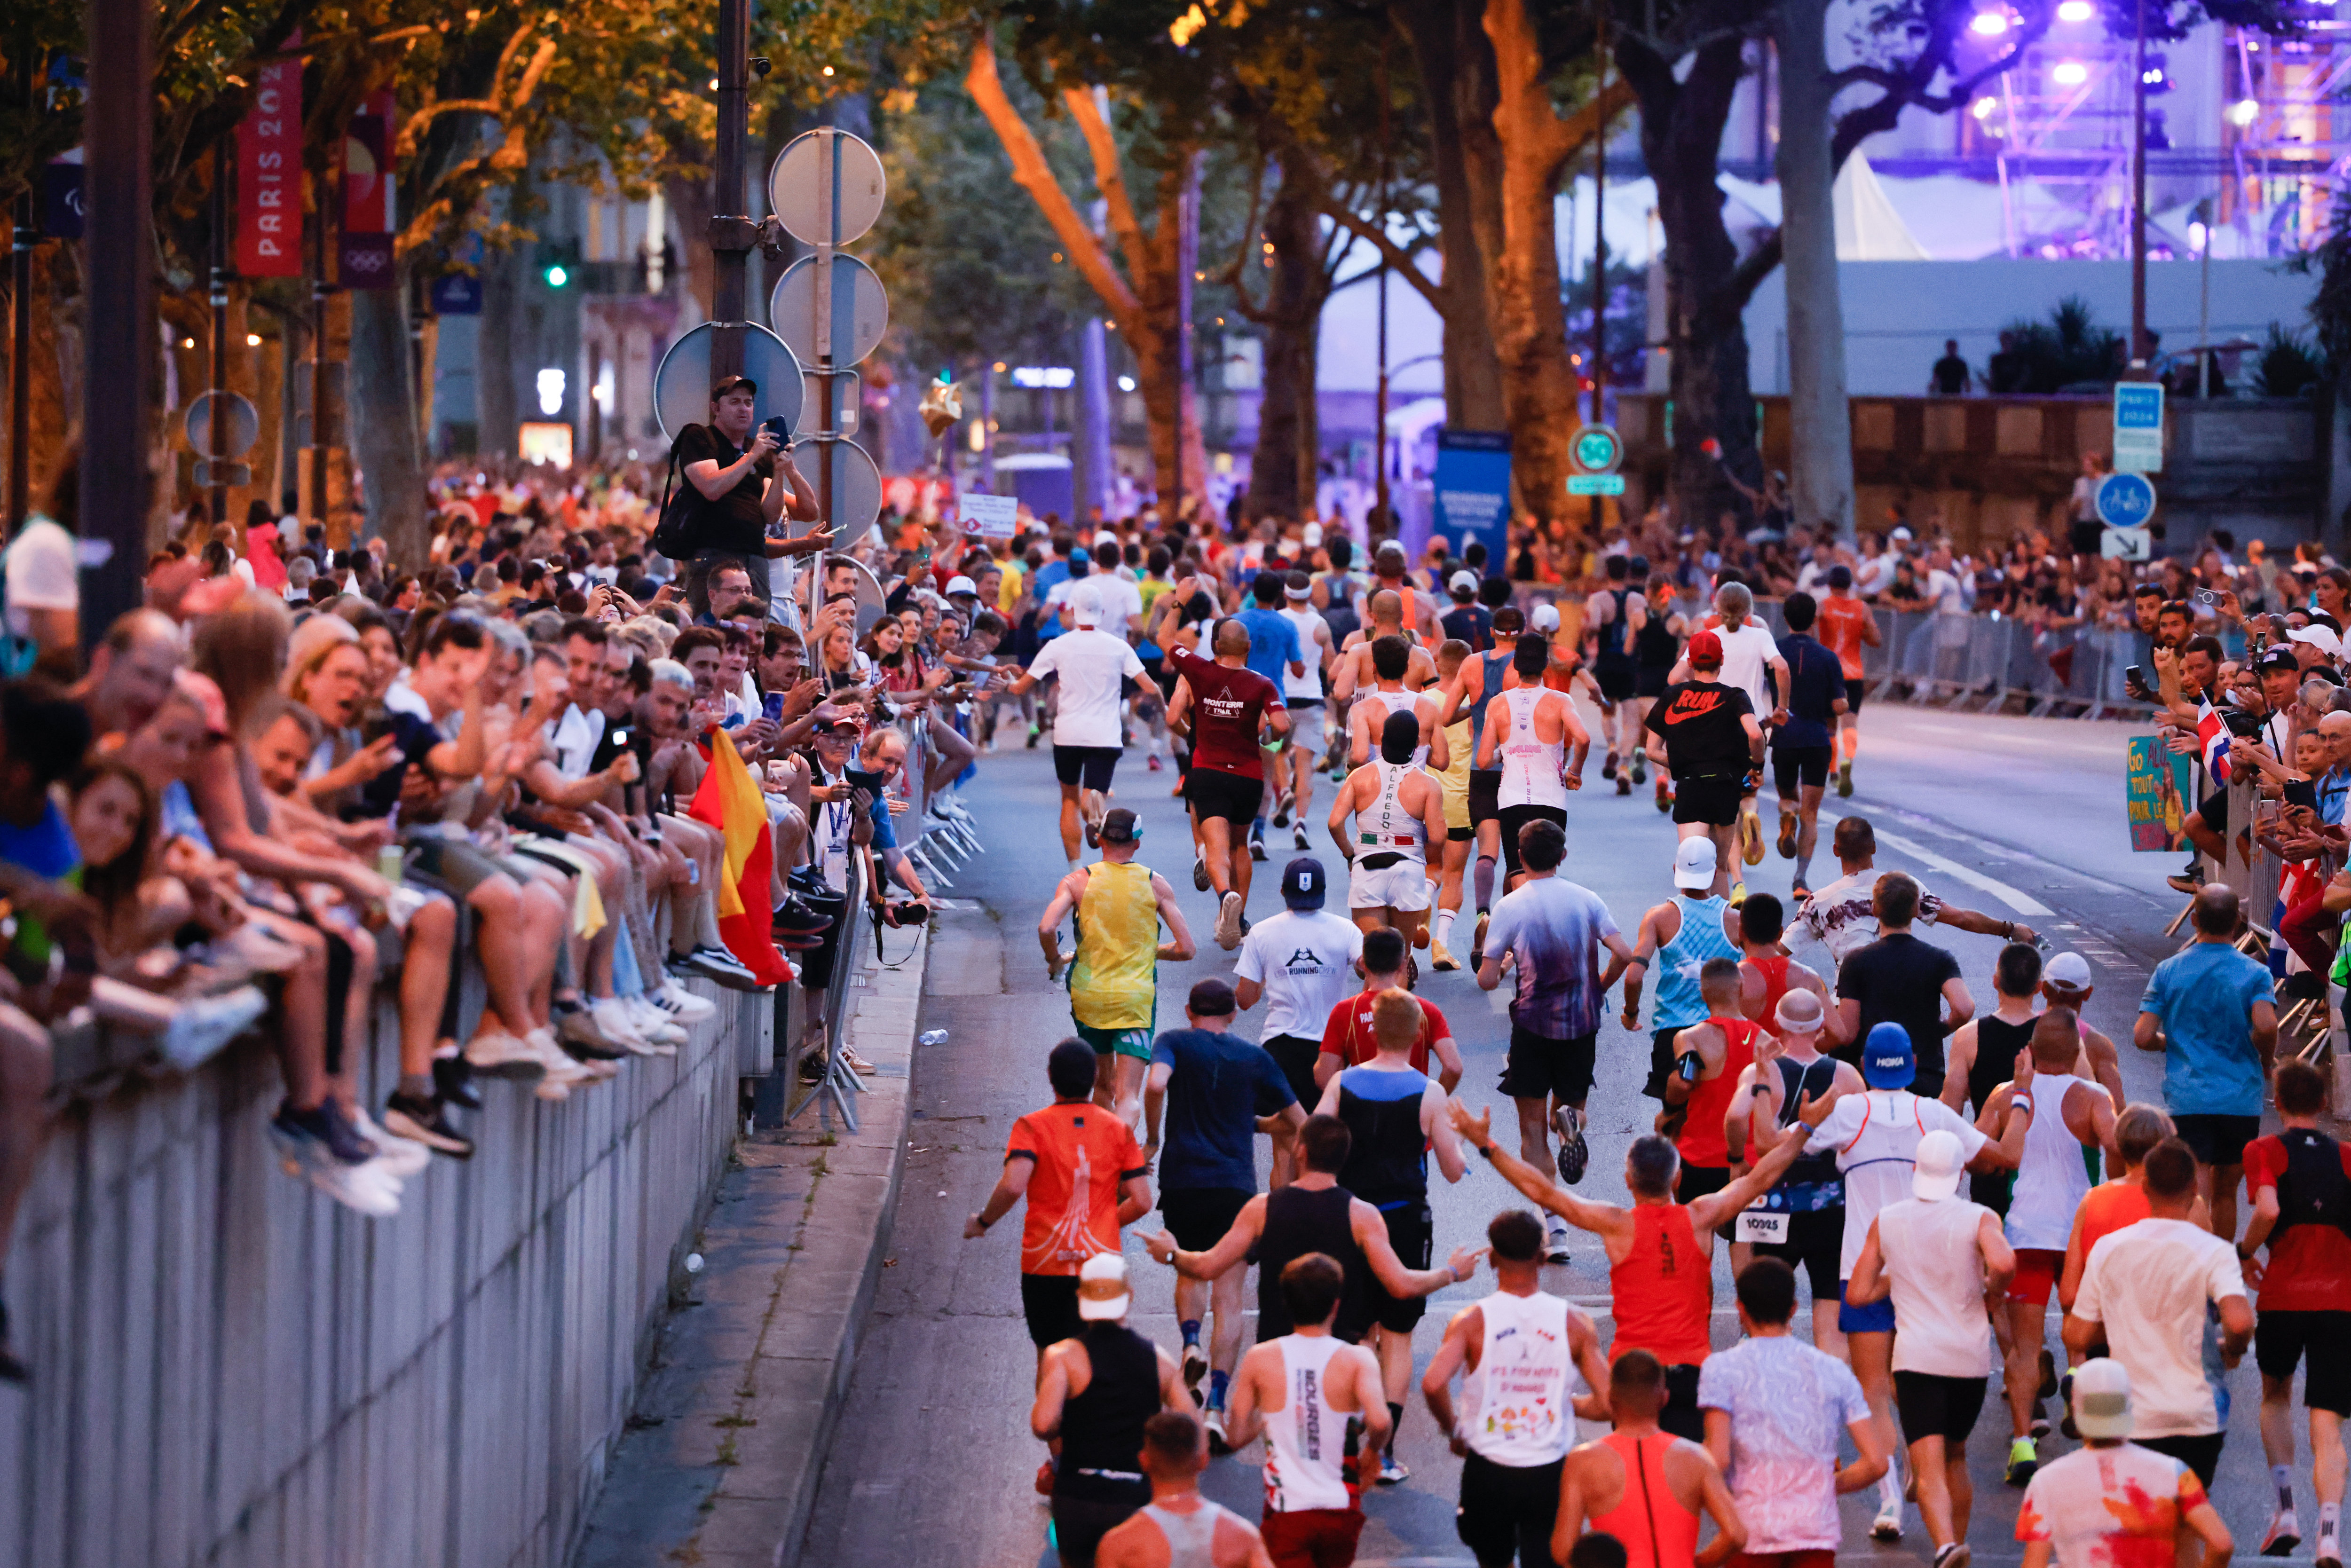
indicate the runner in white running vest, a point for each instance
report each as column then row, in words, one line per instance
column 1529, row 1363
column 1399, row 809
column 1390, row 663
column 2067, row 1114
column 1304, row 694
column 1530, row 732
column 1178, row 1527
column 1302, row 1390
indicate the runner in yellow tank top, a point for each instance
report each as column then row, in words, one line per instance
column 1451, row 655
column 1117, row 909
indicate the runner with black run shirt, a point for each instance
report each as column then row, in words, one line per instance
column 1707, row 734
column 1656, row 648
column 1803, row 747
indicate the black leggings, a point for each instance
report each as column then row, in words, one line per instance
column 339, row 966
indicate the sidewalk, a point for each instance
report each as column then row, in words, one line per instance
column 720, row 1463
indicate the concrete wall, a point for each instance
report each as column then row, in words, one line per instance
column 229, row 1369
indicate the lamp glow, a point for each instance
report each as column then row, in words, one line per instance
column 2070, row 73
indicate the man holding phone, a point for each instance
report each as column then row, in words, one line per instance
column 734, row 471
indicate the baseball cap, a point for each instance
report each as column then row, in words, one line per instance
column 1902, row 534
column 1885, row 1060
column 2279, row 659
column 1463, row 581
column 1694, row 863
column 726, row 384
column 1103, row 1293
column 1118, row 827
column 2067, row 972
column 2318, row 637
column 1303, row 885
column 1085, row 606
column 2102, row 1399
column 1544, row 618
column 961, row 585
column 1079, row 557
column 1705, row 648
column 1938, row 1164
column 1105, row 538
column 1638, row 567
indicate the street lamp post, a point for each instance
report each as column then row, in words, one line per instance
column 2140, row 349
column 732, row 234
column 119, row 326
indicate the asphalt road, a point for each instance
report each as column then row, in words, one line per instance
column 2015, row 817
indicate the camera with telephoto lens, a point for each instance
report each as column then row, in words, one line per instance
column 901, row 913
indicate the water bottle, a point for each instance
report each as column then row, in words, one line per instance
column 932, row 1037
column 388, row 862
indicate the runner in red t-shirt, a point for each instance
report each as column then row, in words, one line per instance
column 1227, row 705
column 1347, row 1033
column 2299, row 1182
column 1846, row 625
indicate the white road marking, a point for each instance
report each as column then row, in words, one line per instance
column 2016, row 898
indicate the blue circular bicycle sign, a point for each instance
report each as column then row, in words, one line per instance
column 2125, row 501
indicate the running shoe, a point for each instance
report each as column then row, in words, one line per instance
column 1787, row 836
column 1391, row 1474
column 200, row 1026
column 1800, row 891
column 1574, row 1154
column 1228, row 922
column 1844, row 782
column 452, row 1084
column 2330, row 1550
column 2283, row 1534
column 856, row 1063
column 1200, row 872
column 1478, row 940
column 1887, row 1525
column 1750, row 838
column 2023, row 1458
column 681, row 1004
column 1094, row 837
column 1256, row 847
column 1555, row 1240
column 1298, row 836
column 1665, row 797
column 1954, row 1555
column 1282, row 808
column 1151, row 763
column 401, row 1158
column 1034, row 731
column 1608, row 766
column 423, row 1121
column 1196, row 1367
column 2183, row 883
column 1214, row 1420
column 1442, row 957
column 495, row 1053
column 1640, row 767
column 577, row 1033
column 1738, row 894
column 2048, row 1388
column 1624, row 785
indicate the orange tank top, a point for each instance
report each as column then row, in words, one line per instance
column 1701, row 1141
column 1663, row 1292
column 1774, row 970
column 2107, row 1207
column 1657, row 1531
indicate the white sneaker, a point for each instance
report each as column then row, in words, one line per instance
column 401, row 1158
column 1555, row 1240
column 681, row 1004
column 613, row 1022
column 362, row 1189
column 1228, row 922
column 655, row 1025
column 1887, row 1525
column 200, row 1026
column 561, row 1069
column 495, row 1053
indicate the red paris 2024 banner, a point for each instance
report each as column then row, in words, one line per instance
column 269, row 175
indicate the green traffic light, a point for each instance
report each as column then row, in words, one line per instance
column 556, row 277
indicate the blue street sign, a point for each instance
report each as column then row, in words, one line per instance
column 1473, row 491
column 457, row 293
column 2138, row 427
column 2125, row 501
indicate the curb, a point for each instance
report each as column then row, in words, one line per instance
column 727, row 1444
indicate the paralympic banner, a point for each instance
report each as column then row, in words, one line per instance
column 2157, row 784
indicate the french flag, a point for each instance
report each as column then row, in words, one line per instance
column 2212, row 737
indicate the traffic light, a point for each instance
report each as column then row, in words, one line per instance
column 559, row 264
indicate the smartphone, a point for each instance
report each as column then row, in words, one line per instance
column 772, row 707
column 779, row 427
column 864, row 780
column 2302, row 792
column 2135, row 677
column 2241, row 723
column 623, row 738
column 375, row 728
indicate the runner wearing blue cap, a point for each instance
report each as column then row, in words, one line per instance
column 1876, row 1135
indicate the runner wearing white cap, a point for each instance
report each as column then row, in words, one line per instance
column 1935, row 1255
column 1678, row 936
column 1309, row 711
column 1094, row 1392
column 2113, row 1501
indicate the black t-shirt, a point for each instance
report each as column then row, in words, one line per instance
column 415, row 739
column 1704, row 736
column 1900, row 979
column 1471, row 623
column 734, row 521
column 1951, row 375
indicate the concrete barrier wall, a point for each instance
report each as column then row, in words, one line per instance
column 231, row 1370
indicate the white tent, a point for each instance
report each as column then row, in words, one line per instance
column 1869, row 228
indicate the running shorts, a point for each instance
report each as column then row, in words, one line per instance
column 1661, row 1059
column 1649, row 680
column 1794, row 764
column 1307, row 726
column 1311, row 1537
column 1295, row 1054
column 1402, row 887
column 1853, row 693
column 1453, row 787
column 2201, row 1453
column 2037, row 1268
column 1936, row 1407
column 1133, row 1042
column 1682, row 1415
column 2214, row 810
column 1616, row 682
column 1485, row 795
column 1080, row 1524
column 1542, row 1068
column 1700, row 1181
column 1086, row 765
column 1514, row 818
column 1816, row 1241
column 2281, row 1338
column 1049, row 1302
column 1412, row 1232
column 1198, row 1217
column 1507, row 1510
column 1216, row 794
column 1877, row 1317
column 2215, row 1140
column 1712, row 801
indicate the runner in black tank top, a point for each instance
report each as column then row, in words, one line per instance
column 1997, row 1043
column 1099, row 1479
column 1299, row 1220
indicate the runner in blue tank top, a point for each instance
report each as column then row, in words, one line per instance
column 1678, row 936
column 1483, row 677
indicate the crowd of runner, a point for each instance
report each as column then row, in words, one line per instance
column 1833, row 1108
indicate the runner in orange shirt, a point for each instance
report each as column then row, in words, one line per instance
column 1847, row 626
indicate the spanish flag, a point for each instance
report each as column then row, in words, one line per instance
column 730, row 802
